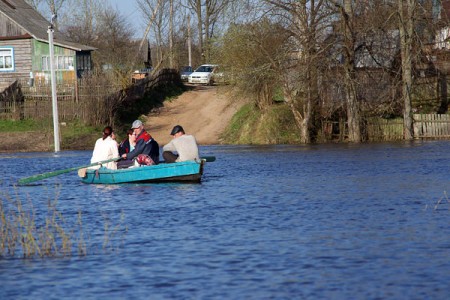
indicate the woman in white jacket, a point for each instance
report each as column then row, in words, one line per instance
column 105, row 148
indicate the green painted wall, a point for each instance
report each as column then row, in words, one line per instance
column 42, row 49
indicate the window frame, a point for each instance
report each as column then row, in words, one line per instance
column 3, row 59
column 60, row 62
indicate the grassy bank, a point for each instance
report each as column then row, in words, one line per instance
column 252, row 126
column 37, row 135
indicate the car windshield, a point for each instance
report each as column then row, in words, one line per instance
column 204, row 69
column 186, row 69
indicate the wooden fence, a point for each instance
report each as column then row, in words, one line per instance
column 431, row 126
column 89, row 103
column 379, row 129
column 426, row 126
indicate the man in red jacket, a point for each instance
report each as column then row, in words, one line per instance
column 145, row 144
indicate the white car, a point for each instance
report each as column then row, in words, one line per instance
column 203, row 75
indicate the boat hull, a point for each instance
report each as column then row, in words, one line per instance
column 188, row 171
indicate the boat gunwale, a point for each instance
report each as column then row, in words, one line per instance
column 186, row 177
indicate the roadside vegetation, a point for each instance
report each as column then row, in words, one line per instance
column 252, row 126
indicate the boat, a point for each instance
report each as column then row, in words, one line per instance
column 186, row 171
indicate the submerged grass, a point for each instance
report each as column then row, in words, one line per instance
column 27, row 233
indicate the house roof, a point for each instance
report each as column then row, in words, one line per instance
column 33, row 23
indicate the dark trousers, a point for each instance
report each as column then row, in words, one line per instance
column 169, row 157
column 123, row 164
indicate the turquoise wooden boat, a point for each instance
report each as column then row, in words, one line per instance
column 187, row 171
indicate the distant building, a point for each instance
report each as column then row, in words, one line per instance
column 24, row 48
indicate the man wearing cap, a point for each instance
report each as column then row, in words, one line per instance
column 183, row 147
column 145, row 144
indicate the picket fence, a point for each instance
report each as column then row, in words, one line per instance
column 425, row 126
column 432, row 126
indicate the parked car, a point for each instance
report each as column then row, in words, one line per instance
column 185, row 72
column 203, row 74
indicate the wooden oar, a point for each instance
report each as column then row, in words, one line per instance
column 59, row 172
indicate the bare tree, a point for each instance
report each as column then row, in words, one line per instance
column 213, row 10
column 155, row 11
column 82, row 24
column 35, row 3
column 196, row 7
column 171, row 50
column 253, row 55
column 306, row 21
column 114, row 37
column 51, row 7
column 208, row 14
column 349, row 47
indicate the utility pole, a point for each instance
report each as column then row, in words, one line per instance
column 53, row 83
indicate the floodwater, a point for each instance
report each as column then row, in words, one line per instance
column 364, row 221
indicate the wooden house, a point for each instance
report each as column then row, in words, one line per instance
column 442, row 41
column 24, row 48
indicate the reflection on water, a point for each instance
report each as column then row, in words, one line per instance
column 317, row 221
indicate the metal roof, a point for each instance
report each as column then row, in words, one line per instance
column 32, row 22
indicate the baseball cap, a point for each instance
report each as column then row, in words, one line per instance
column 136, row 124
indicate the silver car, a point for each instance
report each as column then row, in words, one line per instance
column 185, row 72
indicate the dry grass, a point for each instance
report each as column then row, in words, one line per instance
column 24, row 234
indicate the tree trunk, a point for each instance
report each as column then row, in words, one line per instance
column 198, row 12
column 206, row 48
column 353, row 110
column 302, row 122
column 406, row 27
column 171, row 56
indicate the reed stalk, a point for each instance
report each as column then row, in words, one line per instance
column 27, row 233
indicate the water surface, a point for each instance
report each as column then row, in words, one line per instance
column 272, row 222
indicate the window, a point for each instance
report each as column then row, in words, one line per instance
column 6, row 59
column 60, row 63
column 83, row 61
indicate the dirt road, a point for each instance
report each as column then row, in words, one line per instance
column 204, row 112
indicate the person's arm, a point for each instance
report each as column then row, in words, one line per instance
column 140, row 145
column 170, row 146
column 124, row 147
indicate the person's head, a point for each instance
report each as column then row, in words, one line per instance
column 137, row 127
column 177, row 130
column 107, row 131
column 131, row 135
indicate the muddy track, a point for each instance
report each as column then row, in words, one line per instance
column 204, row 112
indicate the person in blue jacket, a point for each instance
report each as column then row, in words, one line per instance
column 145, row 144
